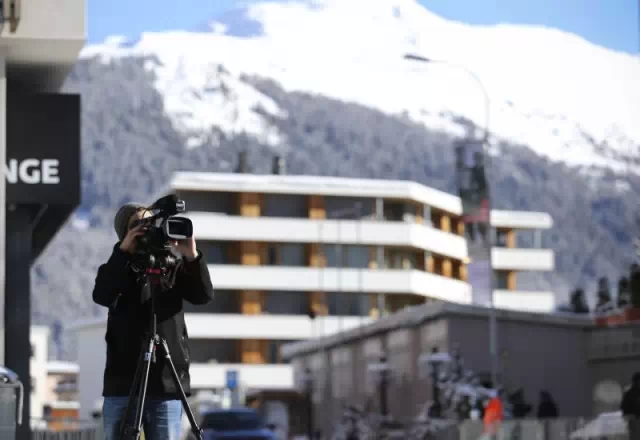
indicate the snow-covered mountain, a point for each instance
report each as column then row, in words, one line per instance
column 565, row 98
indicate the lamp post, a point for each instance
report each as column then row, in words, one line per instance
column 381, row 374
column 493, row 324
column 471, row 74
column 308, row 389
column 431, row 364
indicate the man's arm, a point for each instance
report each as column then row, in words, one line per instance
column 112, row 279
column 194, row 281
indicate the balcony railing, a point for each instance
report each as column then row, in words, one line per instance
column 522, row 259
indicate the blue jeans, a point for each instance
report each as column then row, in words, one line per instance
column 160, row 420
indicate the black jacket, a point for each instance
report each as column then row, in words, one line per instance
column 128, row 325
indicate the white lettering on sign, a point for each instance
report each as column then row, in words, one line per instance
column 33, row 171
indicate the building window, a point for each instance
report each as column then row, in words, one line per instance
column 289, row 254
column 208, row 201
column 349, row 207
column 347, row 256
column 272, row 255
column 292, row 255
column 286, row 303
column 287, row 206
column 394, row 211
column 356, row 257
column 333, row 255
column 400, row 259
column 501, row 238
column 501, row 279
column 273, row 352
column 214, row 252
column 347, row 304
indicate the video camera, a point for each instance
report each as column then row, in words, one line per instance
column 162, row 227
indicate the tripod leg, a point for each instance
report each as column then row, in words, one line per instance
column 132, row 393
column 195, row 429
column 142, row 392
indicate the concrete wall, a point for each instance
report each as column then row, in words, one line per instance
column 614, row 355
column 537, row 352
column 533, row 356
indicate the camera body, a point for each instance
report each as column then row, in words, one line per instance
column 163, row 226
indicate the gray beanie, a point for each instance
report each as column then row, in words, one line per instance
column 121, row 220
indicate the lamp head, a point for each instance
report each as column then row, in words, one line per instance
column 414, row 57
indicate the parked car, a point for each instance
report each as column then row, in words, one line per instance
column 237, row 423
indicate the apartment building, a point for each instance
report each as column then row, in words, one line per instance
column 282, row 248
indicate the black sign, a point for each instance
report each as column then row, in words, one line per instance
column 43, row 149
column 473, row 189
column 42, row 167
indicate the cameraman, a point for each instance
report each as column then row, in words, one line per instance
column 128, row 326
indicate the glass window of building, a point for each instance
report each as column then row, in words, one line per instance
column 501, row 279
column 501, row 238
column 272, row 255
column 208, row 201
column 292, row 254
column 285, row 254
column 215, row 252
column 349, row 207
column 285, row 205
column 333, row 255
column 356, row 256
column 347, row 256
column 394, row 211
column 273, row 352
column 223, row 351
column 347, row 304
column 395, row 258
column 286, row 303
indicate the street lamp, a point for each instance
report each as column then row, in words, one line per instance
column 493, row 324
column 473, row 75
column 305, row 386
column 380, row 374
column 431, row 364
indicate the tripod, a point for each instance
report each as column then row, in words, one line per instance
column 153, row 278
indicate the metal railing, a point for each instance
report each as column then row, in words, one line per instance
column 65, row 429
column 610, row 428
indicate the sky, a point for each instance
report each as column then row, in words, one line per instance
column 609, row 23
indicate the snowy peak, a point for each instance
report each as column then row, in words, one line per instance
column 565, row 98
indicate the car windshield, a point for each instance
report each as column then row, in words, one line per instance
column 232, row 421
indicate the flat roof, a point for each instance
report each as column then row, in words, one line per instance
column 414, row 316
column 348, row 187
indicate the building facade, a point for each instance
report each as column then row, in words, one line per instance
column 282, row 248
column 585, row 368
column 62, row 381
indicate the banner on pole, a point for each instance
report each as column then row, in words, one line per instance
column 473, row 190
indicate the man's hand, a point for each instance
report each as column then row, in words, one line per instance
column 187, row 248
column 128, row 244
